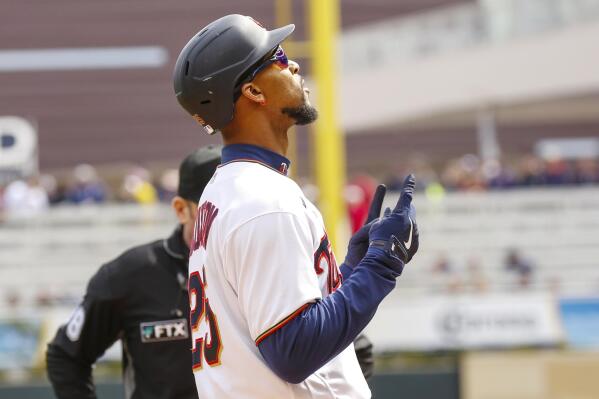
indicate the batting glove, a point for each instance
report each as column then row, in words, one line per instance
column 396, row 233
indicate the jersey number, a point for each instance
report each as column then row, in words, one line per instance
column 324, row 261
column 200, row 309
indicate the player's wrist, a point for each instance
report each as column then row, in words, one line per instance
column 378, row 255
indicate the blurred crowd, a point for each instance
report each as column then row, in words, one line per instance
column 84, row 185
column 451, row 277
column 470, row 173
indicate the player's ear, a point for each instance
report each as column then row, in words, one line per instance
column 252, row 92
column 181, row 209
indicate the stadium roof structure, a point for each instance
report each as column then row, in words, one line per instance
column 97, row 83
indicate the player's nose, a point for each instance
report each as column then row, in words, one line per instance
column 294, row 67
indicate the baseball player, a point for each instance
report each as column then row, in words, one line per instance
column 272, row 315
column 141, row 299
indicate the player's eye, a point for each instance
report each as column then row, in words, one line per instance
column 280, row 58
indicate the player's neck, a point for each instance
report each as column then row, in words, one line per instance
column 259, row 134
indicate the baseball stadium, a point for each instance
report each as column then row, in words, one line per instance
column 106, row 147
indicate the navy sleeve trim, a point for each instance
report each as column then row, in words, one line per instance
column 280, row 324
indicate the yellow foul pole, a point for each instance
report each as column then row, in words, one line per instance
column 329, row 145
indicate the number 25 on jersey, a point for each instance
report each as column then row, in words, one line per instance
column 210, row 345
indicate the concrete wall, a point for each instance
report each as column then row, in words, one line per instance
column 530, row 375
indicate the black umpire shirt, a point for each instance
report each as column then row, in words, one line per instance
column 141, row 299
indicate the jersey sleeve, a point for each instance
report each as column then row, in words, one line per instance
column 93, row 327
column 271, row 263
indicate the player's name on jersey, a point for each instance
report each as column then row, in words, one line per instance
column 164, row 330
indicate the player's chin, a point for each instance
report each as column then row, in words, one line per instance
column 303, row 114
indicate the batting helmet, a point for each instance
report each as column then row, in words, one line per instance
column 213, row 62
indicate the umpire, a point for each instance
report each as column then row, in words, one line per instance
column 140, row 298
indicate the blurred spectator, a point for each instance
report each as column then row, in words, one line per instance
column 44, row 299
column 435, row 192
column 531, row 171
column 13, row 299
column 167, row 186
column 442, row 265
column 25, row 199
column 586, row 171
column 523, row 268
column 497, row 175
column 476, row 280
column 464, row 174
column 56, row 192
column 445, row 276
column 86, row 187
column 558, row 171
column 137, row 187
column 358, row 195
column 554, row 285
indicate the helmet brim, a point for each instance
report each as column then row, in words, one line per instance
column 277, row 36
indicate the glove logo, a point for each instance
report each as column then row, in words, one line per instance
column 408, row 242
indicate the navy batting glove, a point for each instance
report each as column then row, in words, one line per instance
column 358, row 244
column 394, row 237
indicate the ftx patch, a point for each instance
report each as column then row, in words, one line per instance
column 164, row 330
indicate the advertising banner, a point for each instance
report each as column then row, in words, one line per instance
column 580, row 318
column 466, row 322
column 18, row 343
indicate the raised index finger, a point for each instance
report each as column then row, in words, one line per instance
column 377, row 203
column 407, row 192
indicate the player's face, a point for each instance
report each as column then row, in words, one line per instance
column 285, row 93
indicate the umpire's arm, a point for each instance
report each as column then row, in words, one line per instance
column 93, row 327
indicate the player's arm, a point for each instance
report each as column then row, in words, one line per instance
column 325, row 328
column 356, row 249
column 93, row 327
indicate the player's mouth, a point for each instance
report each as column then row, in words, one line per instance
column 304, row 88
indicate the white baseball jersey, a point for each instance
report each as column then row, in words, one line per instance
column 260, row 255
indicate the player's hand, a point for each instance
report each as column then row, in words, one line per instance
column 396, row 233
column 358, row 244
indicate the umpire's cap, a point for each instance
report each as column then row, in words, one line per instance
column 196, row 171
column 213, row 62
